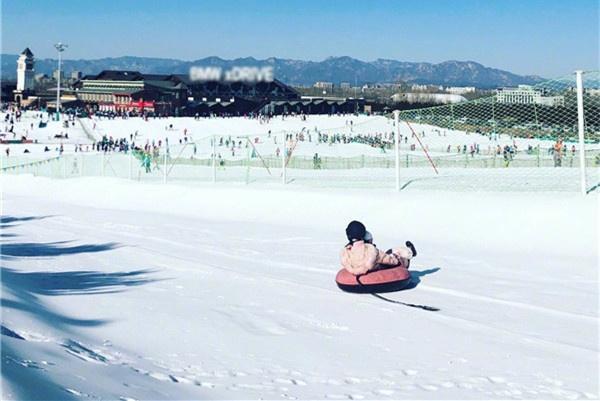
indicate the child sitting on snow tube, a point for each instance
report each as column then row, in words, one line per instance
column 360, row 256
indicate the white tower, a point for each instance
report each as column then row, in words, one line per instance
column 25, row 71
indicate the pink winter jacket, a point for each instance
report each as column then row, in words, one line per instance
column 360, row 257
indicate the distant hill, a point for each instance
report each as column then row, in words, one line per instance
column 298, row 72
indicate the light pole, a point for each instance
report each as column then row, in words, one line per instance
column 61, row 48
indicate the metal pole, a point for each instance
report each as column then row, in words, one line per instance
column 130, row 162
column 283, row 156
column 397, row 148
column 58, row 90
column 60, row 47
column 494, row 115
column 165, row 166
column 214, row 158
column 581, row 128
column 247, row 165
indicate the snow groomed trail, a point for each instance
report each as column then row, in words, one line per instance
column 119, row 291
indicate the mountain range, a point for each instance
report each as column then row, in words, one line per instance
column 299, row 72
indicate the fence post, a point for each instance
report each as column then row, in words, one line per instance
column 494, row 115
column 283, row 156
column 397, row 148
column 247, row 164
column 580, row 125
column 214, row 158
column 165, row 166
column 130, row 162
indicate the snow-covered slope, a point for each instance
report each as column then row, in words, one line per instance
column 115, row 290
column 268, row 134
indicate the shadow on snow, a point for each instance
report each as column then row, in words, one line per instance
column 415, row 276
column 13, row 219
column 415, row 279
column 51, row 249
column 22, row 291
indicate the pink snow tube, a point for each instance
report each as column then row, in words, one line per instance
column 381, row 280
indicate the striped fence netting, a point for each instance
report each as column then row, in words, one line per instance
column 517, row 139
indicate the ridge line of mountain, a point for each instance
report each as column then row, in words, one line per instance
column 301, row 72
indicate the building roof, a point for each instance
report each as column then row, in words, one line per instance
column 182, row 78
column 163, row 84
column 156, row 77
column 159, row 81
column 27, row 52
column 118, row 75
column 115, row 91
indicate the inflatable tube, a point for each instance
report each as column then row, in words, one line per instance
column 382, row 280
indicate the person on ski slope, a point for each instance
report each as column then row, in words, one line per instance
column 360, row 256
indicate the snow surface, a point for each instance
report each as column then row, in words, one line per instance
column 121, row 290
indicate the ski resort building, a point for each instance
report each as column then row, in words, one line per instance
column 526, row 94
column 131, row 91
column 234, row 98
column 176, row 94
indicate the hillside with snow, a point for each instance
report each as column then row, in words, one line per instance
column 187, row 130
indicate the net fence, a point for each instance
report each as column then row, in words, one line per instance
column 517, row 139
column 532, row 128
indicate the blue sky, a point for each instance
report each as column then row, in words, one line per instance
column 548, row 38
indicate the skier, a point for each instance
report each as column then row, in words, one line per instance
column 146, row 162
column 557, row 156
column 360, row 255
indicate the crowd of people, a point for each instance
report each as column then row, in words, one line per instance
column 239, row 147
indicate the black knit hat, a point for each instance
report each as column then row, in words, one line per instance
column 355, row 231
